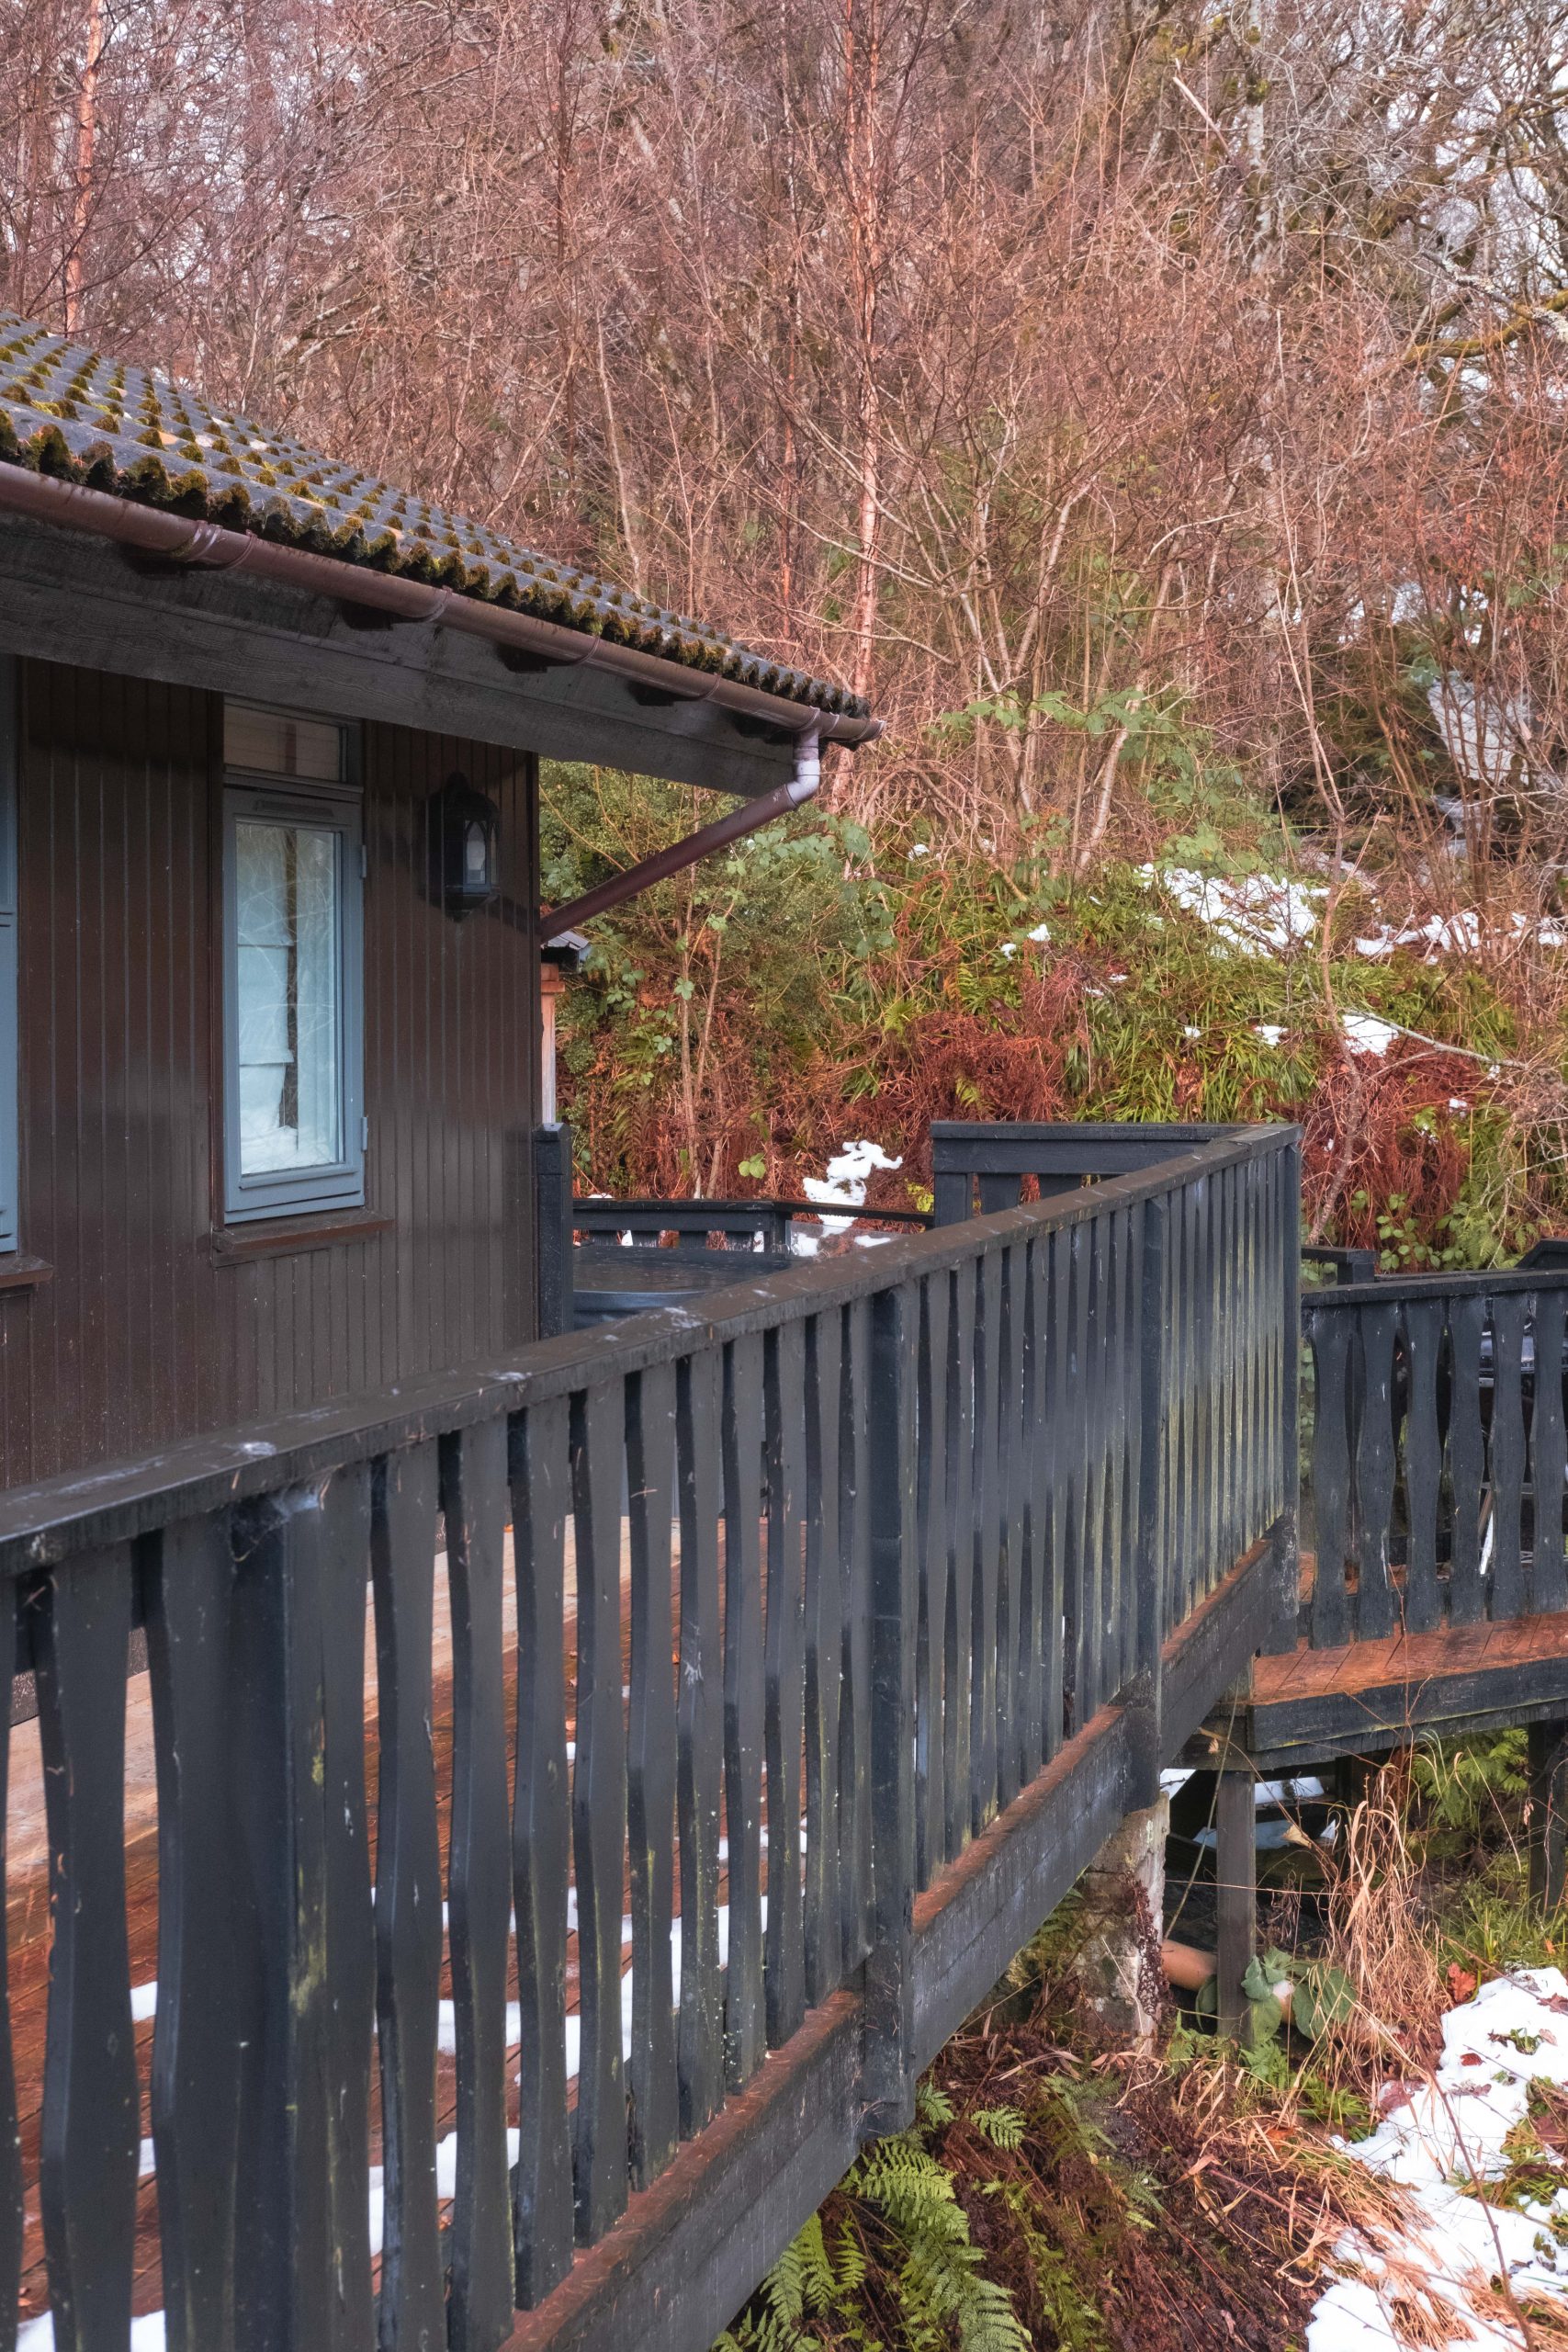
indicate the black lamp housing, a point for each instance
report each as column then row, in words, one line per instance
column 465, row 847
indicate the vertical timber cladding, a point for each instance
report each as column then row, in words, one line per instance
column 143, row 1331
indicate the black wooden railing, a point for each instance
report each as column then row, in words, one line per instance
column 865, row 1563
column 1438, row 1455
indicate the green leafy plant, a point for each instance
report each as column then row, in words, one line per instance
column 903, row 2212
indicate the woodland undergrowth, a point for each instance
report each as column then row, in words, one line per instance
column 819, row 983
column 1065, row 2194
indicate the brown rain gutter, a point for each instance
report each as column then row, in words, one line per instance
column 556, row 920
column 206, row 546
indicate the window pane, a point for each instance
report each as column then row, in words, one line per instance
column 272, row 742
column 287, row 944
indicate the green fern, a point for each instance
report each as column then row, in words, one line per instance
column 933, row 2104
column 908, row 2231
column 1004, row 2127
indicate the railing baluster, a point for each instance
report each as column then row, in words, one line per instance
column 474, row 1503
column 743, row 1706
column 202, row 2022
column 785, row 1727
column 931, row 1540
column 700, row 1734
column 351, row 1921
column 87, row 2164
column 653, row 2096
column 1052, row 1444
column 987, row 1532
column 408, row 1898
column 824, row 1655
column 1009, row 1517
column 1077, row 1559
column 959, row 1663
column 1467, row 1598
column 1374, row 1475
column 1120, row 1434
column 854, row 1717
column 1330, row 1334
column 1509, row 1311
column 599, row 1809
column 539, row 1467
column 889, row 2087
column 1037, row 1633
column 1548, row 1456
column 1422, row 1321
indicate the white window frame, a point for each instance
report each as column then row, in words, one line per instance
column 338, row 807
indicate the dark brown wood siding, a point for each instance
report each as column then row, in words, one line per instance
column 144, row 1332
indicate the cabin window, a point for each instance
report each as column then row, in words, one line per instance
column 292, row 978
column 9, row 1154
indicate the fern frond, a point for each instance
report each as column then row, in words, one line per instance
column 1003, row 2126
column 933, row 2104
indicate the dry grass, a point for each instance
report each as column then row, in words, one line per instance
column 1380, row 1935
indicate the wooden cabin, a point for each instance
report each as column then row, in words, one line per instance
column 269, row 740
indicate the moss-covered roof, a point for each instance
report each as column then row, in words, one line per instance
column 67, row 411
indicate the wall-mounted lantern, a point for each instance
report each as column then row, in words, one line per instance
column 465, row 847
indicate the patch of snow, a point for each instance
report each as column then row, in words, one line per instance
column 1008, row 947
column 1190, row 1032
column 146, row 2333
column 1365, row 1033
column 1462, row 935
column 1250, row 914
column 1271, row 1032
column 844, row 1183
column 1041, row 935
column 921, row 849
column 1436, row 2136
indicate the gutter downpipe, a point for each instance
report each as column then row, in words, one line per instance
column 802, row 787
column 208, row 547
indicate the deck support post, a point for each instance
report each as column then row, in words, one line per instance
column 1236, row 1878
column 1123, row 1894
column 1548, row 1810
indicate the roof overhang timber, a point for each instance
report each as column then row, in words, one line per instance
column 95, row 581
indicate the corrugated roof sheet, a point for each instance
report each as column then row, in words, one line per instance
column 68, row 411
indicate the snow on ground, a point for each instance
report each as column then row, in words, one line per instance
column 1437, row 2138
column 843, row 1186
column 1255, row 915
column 1462, row 935
column 1365, row 1033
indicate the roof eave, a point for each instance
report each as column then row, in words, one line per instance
column 206, row 546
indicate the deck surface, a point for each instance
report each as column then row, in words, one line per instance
column 1408, row 1659
column 1309, row 1705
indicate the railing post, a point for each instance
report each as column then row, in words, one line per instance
column 953, row 1188
column 1144, row 1697
column 887, row 2066
column 302, row 1944
column 552, row 1227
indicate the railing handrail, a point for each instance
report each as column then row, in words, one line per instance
column 1389, row 1290
column 692, row 1214
column 45, row 1524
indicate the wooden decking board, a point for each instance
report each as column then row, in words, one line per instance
column 1309, row 1705
column 1408, row 1659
